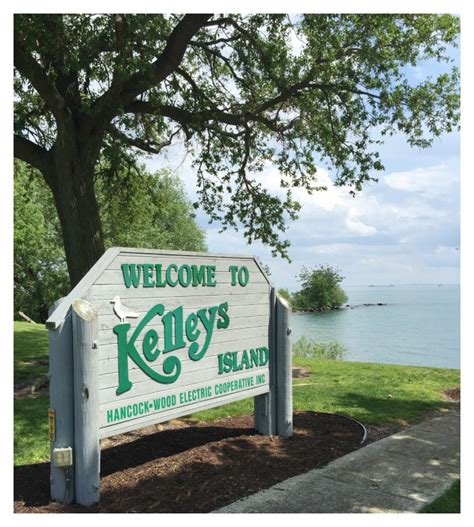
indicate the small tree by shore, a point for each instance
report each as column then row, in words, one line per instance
column 320, row 289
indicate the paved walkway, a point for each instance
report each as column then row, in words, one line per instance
column 400, row 473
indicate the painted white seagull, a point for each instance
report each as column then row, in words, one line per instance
column 123, row 312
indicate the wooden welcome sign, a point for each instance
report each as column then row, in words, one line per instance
column 148, row 336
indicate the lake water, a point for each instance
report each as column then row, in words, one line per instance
column 420, row 325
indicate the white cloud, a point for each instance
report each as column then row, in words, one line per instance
column 360, row 228
column 443, row 250
column 357, row 226
column 333, row 249
column 403, row 229
column 429, row 181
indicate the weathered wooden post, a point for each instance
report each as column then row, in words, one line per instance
column 265, row 405
column 284, row 392
column 61, row 405
column 86, row 402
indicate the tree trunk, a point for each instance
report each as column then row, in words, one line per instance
column 70, row 175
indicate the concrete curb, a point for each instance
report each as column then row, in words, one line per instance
column 400, row 473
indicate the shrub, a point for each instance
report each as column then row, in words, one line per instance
column 320, row 289
column 310, row 349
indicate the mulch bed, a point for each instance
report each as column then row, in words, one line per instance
column 199, row 468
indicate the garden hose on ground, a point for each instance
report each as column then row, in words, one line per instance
column 364, row 430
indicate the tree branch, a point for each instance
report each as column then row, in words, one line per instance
column 169, row 59
column 218, row 22
column 193, row 84
column 263, row 57
column 32, row 70
column 30, row 152
column 54, row 57
column 227, row 62
column 158, row 71
column 186, row 117
column 183, row 116
column 205, row 44
column 150, row 147
column 121, row 29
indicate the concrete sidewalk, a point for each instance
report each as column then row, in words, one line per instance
column 400, row 473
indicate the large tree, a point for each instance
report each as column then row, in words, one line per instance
column 240, row 91
column 137, row 209
column 39, row 267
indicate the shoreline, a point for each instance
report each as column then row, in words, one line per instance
column 341, row 308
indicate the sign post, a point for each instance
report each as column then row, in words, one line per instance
column 265, row 405
column 284, row 395
column 86, row 402
column 148, row 336
column 61, row 401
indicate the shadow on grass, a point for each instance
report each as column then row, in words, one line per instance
column 31, row 429
column 448, row 503
column 390, row 410
column 31, row 354
column 31, row 343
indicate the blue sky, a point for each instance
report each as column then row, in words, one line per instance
column 403, row 229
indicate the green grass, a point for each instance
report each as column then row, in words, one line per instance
column 31, row 346
column 371, row 393
column 30, row 423
column 449, row 502
column 31, row 430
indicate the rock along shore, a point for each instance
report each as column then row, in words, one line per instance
column 347, row 306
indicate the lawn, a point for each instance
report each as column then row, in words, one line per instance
column 449, row 502
column 31, row 351
column 371, row 393
column 31, row 423
column 31, row 430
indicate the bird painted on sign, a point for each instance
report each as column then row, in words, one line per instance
column 123, row 312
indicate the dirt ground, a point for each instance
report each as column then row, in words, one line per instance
column 179, row 467
column 453, row 394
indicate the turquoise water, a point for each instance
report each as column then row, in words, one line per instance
column 419, row 327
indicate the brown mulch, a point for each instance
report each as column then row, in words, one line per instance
column 199, row 468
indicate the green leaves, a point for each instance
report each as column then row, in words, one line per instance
column 137, row 209
column 320, row 289
column 40, row 275
column 250, row 91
